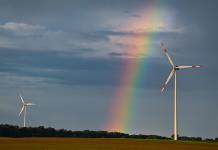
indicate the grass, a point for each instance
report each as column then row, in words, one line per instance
column 100, row 144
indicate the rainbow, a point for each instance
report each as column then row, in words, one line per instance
column 123, row 104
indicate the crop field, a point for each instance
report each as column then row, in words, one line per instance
column 101, row 144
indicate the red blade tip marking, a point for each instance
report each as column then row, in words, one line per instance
column 196, row 66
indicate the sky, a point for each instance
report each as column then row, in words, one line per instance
column 68, row 57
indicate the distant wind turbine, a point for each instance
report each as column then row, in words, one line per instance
column 24, row 109
column 173, row 72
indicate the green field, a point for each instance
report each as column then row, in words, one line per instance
column 99, row 144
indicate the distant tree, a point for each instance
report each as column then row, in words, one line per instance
column 41, row 131
column 9, row 130
column 209, row 140
column 185, row 138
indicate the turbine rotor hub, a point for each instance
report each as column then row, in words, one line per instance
column 175, row 68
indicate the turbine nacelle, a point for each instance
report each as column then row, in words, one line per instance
column 176, row 68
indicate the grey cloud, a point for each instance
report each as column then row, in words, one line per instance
column 116, row 54
column 162, row 32
column 132, row 14
column 37, row 37
column 22, row 29
column 62, row 69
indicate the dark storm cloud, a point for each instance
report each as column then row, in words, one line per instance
column 77, row 14
column 123, row 33
column 67, row 69
column 116, row 54
column 67, row 4
column 76, row 70
column 197, row 17
column 95, row 36
column 104, row 35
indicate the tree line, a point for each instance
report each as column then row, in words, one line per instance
column 7, row 130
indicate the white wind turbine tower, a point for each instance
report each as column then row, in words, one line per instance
column 24, row 109
column 173, row 72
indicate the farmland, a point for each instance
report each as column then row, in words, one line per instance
column 99, row 143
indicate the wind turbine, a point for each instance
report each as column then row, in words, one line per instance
column 24, row 109
column 174, row 72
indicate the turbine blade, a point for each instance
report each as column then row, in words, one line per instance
column 184, row 67
column 168, row 79
column 21, row 110
column 21, row 99
column 30, row 104
column 166, row 53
